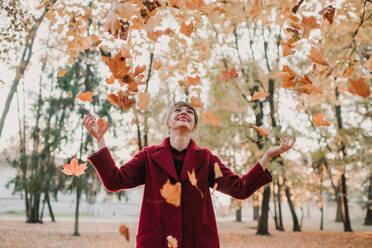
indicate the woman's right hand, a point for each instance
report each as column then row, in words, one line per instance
column 96, row 129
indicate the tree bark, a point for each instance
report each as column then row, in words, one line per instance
column 25, row 60
column 368, row 219
column 262, row 228
column 296, row 226
column 238, row 214
column 345, row 207
column 76, row 229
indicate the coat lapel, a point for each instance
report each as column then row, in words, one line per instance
column 163, row 157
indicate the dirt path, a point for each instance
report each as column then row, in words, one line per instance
column 18, row 234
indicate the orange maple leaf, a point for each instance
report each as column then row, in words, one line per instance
column 317, row 55
column 100, row 129
column 172, row 242
column 227, row 75
column 192, row 81
column 318, row 120
column 194, row 181
column 262, row 130
column 196, row 102
column 156, row 65
column 124, row 231
column 288, row 77
column 259, row 94
column 187, row 29
column 85, row 96
column 139, row 70
column 171, row 193
column 359, row 87
column 287, row 48
column 110, row 80
column 308, row 23
column 74, row 168
column 328, row 13
column 210, row 118
column 122, row 99
column 117, row 65
column 143, row 100
column 62, row 73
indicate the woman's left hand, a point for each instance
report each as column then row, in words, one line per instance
column 284, row 146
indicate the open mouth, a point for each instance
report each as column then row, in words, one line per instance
column 183, row 118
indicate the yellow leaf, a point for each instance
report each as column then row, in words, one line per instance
column 194, row 181
column 217, row 171
column 171, row 193
column 172, row 241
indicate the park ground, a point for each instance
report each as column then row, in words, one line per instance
column 15, row 233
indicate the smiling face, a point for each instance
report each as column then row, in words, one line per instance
column 182, row 117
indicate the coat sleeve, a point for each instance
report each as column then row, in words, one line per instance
column 129, row 175
column 235, row 186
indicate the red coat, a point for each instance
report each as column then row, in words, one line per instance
column 193, row 223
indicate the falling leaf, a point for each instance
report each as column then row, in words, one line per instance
column 227, row 75
column 232, row 106
column 328, row 13
column 156, row 65
column 317, row 56
column 287, row 48
column 171, row 193
column 125, row 53
column 196, row 102
column 186, row 29
column 217, row 171
column 100, row 129
column 308, row 23
column 259, row 94
column 62, row 73
column 194, row 181
column 262, row 130
column 295, row 8
column 359, row 87
column 110, row 80
column 124, row 231
column 193, row 81
column 98, row 42
column 122, row 99
column 139, row 70
column 210, row 118
column 85, row 96
column 172, row 241
column 143, row 100
column 117, row 65
column 288, row 77
column 318, row 120
column 74, row 168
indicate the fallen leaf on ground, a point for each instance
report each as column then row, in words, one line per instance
column 124, row 231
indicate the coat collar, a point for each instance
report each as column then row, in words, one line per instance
column 163, row 157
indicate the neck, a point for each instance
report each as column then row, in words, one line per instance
column 179, row 141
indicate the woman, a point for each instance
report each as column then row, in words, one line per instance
column 193, row 222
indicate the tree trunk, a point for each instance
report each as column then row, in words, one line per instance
column 281, row 226
column 321, row 217
column 76, row 230
column 25, row 60
column 339, row 207
column 50, row 208
column 368, row 219
column 238, row 213
column 256, row 207
column 345, row 207
column 275, row 212
column 296, row 226
column 262, row 228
